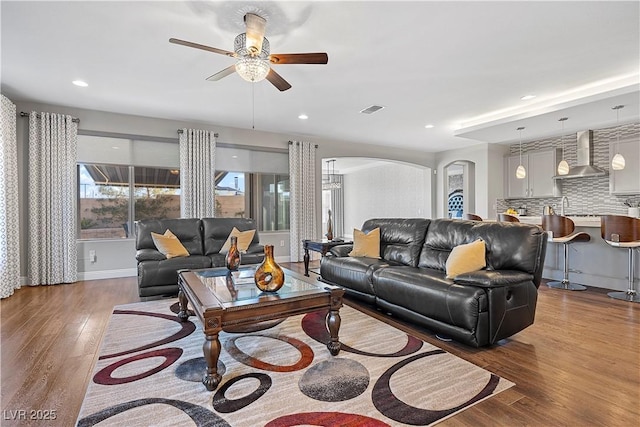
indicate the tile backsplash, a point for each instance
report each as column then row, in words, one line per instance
column 587, row 196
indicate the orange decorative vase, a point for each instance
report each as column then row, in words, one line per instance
column 232, row 261
column 269, row 276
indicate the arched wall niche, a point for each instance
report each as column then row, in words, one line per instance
column 459, row 188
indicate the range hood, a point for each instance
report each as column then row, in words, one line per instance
column 584, row 167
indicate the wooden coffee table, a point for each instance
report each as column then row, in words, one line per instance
column 221, row 304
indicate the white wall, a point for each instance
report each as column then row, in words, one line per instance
column 388, row 190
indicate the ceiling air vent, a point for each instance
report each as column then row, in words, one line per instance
column 372, row 109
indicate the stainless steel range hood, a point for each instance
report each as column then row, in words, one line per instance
column 584, row 167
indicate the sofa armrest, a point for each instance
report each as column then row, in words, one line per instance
column 493, row 278
column 149, row 255
column 340, row 250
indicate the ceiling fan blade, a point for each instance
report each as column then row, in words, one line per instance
column 299, row 58
column 255, row 31
column 277, row 80
column 201, row 46
column 224, row 73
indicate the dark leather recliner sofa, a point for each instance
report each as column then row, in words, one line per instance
column 477, row 308
column 203, row 238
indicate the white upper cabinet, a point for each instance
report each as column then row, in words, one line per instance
column 540, row 166
column 627, row 180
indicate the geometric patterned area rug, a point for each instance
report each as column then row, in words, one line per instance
column 150, row 367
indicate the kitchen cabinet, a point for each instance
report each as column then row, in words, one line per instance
column 541, row 167
column 627, row 180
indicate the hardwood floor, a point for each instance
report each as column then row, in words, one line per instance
column 578, row 365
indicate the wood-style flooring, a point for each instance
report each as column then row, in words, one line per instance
column 578, row 365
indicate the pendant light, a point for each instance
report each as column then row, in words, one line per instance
column 617, row 163
column 521, row 172
column 563, row 166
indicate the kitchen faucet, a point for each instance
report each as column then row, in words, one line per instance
column 564, row 199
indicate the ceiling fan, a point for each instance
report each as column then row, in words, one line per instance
column 254, row 60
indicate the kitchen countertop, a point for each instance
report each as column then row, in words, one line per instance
column 579, row 221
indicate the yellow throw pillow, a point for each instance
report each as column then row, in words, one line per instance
column 169, row 245
column 466, row 258
column 366, row 245
column 244, row 240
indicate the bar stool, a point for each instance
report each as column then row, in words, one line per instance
column 472, row 217
column 507, row 218
column 562, row 229
column 622, row 232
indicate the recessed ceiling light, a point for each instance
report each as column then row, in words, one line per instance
column 303, row 117
column 234, row 157
column 527, row 97
column 428, row 126
column 115, row 147
column 80, row 83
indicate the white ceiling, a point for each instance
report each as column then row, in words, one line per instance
column 461, row 66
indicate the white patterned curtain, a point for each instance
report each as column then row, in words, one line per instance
column 197, row 173
column 52, row 195
column 9, row 215
column 302, row 178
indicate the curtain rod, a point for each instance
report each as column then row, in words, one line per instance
column 291, row 143
column 182, row 131
column 23, row 114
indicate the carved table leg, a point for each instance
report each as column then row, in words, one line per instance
column 306, row 260
column 333, row 321
column 211, row 349
column 183, row 314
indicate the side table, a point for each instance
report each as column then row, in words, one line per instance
column 321, row 246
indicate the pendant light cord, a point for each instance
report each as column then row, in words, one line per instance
column 253, row 106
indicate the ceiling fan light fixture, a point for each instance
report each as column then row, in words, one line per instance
column 251, row 66
column 252, row 69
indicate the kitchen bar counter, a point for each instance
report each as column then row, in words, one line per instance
column 592, row 263
column 579, row 221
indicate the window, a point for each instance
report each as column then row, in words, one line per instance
column 122, row 180
column 103, row 205
column 273, row 199
column 106, row 192
column 261, row 196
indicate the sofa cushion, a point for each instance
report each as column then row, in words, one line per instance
column 244, row 240
column 187, row 230
column 217, row 230
column 429, row 293
column 400, row 239
column 155, row 273
column 509, row 246
column 366, row 244
column 442, row 236
column 169, row 245
column 466, row 258
column 351, row 272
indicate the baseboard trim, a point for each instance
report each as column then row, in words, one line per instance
column 107, row 274
column 282, row 258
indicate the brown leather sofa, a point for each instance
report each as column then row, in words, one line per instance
column 203, row 238
column 478, row 308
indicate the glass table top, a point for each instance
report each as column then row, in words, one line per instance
column 239, row 286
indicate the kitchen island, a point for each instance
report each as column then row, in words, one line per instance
column 592, row 263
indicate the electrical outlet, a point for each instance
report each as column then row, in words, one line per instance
column 92, row 255
column 281, row 243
